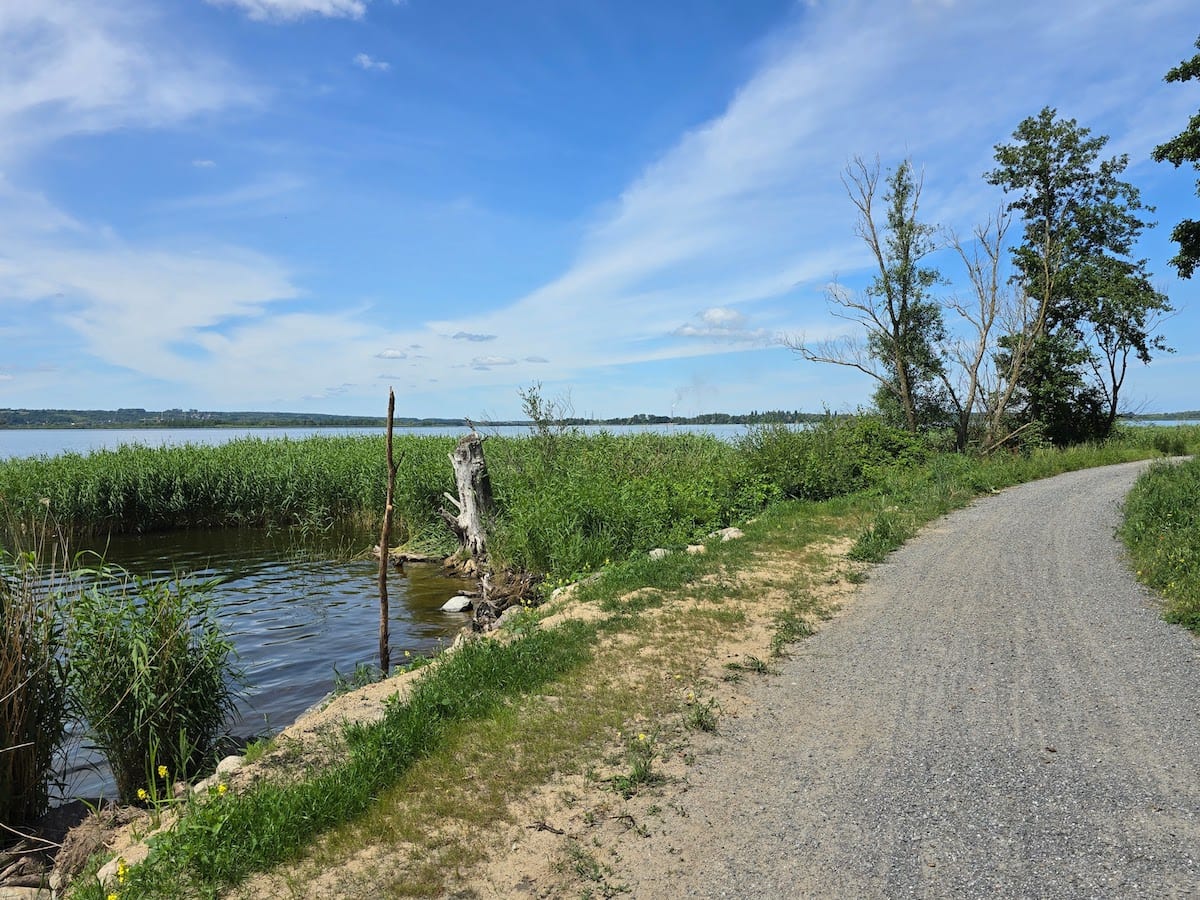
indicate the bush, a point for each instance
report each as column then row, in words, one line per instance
column 150, row 672
column 32, row 687
column 836, row 456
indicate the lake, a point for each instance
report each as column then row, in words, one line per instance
column 53, row 441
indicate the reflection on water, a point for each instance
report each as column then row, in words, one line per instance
column 293, row 617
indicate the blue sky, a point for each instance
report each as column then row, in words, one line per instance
column 295, row 204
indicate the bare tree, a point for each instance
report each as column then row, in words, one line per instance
column 1005, row 323
column 902, row 324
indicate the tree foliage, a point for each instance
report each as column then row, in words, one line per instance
column 1185, row 147
column 1094, row 302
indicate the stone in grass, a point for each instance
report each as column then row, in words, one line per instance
column 728, row 534
column 457, row 604
column 696, row 549
column 659, row 553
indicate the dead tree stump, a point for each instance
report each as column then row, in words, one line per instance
column 474, row 504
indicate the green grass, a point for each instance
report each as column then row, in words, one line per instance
column 219, row 842
column 1161, row 528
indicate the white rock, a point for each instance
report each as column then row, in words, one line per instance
column 21, row 893
column 658, row 553
column 696, row 549
column 230, row 764
column 457, row 604
column 728, row 534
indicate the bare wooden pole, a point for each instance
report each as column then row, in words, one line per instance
column 385, row 542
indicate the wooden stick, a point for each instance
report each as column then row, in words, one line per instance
column 385, row 542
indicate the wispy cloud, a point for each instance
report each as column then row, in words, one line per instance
column 204, row 163
column 469, row 336
column 95, row 67
column 294, row 10
column 391, row 354
column 255, row 195
column 368, row 64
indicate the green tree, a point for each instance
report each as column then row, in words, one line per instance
column 903, row 323
column 1185, row 147
column 1080, row 224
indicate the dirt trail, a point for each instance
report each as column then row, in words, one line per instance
column 1001, row 713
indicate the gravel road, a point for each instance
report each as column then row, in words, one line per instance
column 1000, row 713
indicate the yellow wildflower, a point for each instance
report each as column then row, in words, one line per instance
column 642, row 737
column 114, row 896
column 162, row 771
column 222, row 788
column 122, row 871
column 142, row 795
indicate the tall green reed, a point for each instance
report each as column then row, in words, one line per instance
column 151, row 674
column 33, row 699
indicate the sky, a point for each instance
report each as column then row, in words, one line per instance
column 294, row 205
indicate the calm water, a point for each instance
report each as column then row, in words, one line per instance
column 293, row 618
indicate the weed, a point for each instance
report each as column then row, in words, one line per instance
column 363, row 674
column 750, row 663
column 701, row 715
column 640, row 754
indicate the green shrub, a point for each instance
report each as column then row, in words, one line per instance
column 834, row 457
column 151, row 674
column 32, row 687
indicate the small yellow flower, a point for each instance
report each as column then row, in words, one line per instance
column 691, row 696
column 162, row 771
column 114, row 896
column 222, row 788
column 142, row 795
column 678, row 677
column 642, row 737
column 407, row 653
column 122, row 871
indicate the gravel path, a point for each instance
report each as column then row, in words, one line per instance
column 1001, row 713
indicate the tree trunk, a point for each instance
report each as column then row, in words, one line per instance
column 474, row 504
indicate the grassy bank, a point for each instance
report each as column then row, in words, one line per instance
column 604, row 706
column 1162, row 531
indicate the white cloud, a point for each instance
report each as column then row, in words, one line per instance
column 470, row 336
column 366, row 63
column 294, row 10
column 204, row 163
column 72, row 67
column 722, row 324
column 391, row 354
column 487, row 362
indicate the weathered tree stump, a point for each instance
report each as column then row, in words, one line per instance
column 474, row 504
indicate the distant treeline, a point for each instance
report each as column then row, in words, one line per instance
column 1189, row 415
column 193, row 418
